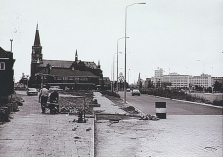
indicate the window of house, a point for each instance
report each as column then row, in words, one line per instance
column 2, row 65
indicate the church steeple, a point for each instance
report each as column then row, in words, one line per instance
column 76, row 56
column 37, row 38
column 36, row 56
column 99, row 65
column 37, row 48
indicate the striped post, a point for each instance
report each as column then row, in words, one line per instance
column 161, row 110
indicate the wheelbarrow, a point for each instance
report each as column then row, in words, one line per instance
column 53, row 107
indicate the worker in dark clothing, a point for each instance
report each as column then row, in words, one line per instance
column 54, row 97
column 43, row 97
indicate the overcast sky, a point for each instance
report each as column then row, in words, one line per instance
column 169, row 34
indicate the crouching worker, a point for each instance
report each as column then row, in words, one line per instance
column 43, row 97
column 54, row 97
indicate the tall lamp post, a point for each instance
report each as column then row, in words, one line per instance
column 128, row 76
column 117, row 62
column 203, row 65
column 125, row 47
column 113, row 78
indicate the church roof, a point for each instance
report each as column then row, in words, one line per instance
column 91, row 65
column 4, row 54
column 66, row 64
column 56, row 63
column 67, row 72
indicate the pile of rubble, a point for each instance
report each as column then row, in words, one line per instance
column 149, row 117
column 73, row 105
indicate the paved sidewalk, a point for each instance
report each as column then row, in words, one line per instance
column 32, row 134
column 106, row 106
column 176, row 136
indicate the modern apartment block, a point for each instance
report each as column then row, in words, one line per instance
column 181, row 81
column 204, row 80
column 176, row 80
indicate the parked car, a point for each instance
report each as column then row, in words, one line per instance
column 135, row 92
column 31, row 91
column 52, row 88
column 128, row 90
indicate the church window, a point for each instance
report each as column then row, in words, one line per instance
column 59, row 78
column 83, row 79
column 2, row 65
column 70, row 78
column 65, row 78
column 76, row 78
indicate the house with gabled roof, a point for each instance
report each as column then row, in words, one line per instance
column 75, row 74
column 6, row 72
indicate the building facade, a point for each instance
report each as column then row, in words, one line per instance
column 174, row 80
column 74, row 74
column 6, row 72
column 204, row 81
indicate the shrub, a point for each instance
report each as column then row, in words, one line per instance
column 218, row 102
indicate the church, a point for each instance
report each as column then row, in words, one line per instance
column 74, row 74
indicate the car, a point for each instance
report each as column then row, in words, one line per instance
column 57, row 88
column 31, row 91
column 135, row 92
column 128, row 89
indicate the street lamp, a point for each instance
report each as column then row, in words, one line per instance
column 113, row 78
column 128, row 76
column 117, row 62
column 203, row 65
column 125, row 48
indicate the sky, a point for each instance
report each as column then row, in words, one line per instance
column 172, row 34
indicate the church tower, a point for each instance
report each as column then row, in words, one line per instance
column 76, row 56
column 36, row 56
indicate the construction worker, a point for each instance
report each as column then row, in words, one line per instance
column 43, row 97
column 54, row 97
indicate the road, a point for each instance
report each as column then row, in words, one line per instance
column 146, row 104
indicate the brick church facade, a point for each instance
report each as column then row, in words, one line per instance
column 75, row 74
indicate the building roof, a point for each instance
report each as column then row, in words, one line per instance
column 91, row 65
column 67, row 72
column 56, row 63
column 4, row 54
column 66, row 64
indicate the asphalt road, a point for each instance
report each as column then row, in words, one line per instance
column 146, row 104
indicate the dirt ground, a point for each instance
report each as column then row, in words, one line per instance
column 119, row 102
column 209, row 96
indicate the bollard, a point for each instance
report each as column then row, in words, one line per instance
column 2, row 113
column 6, row 115
column 161, row 110
column 10, row 107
